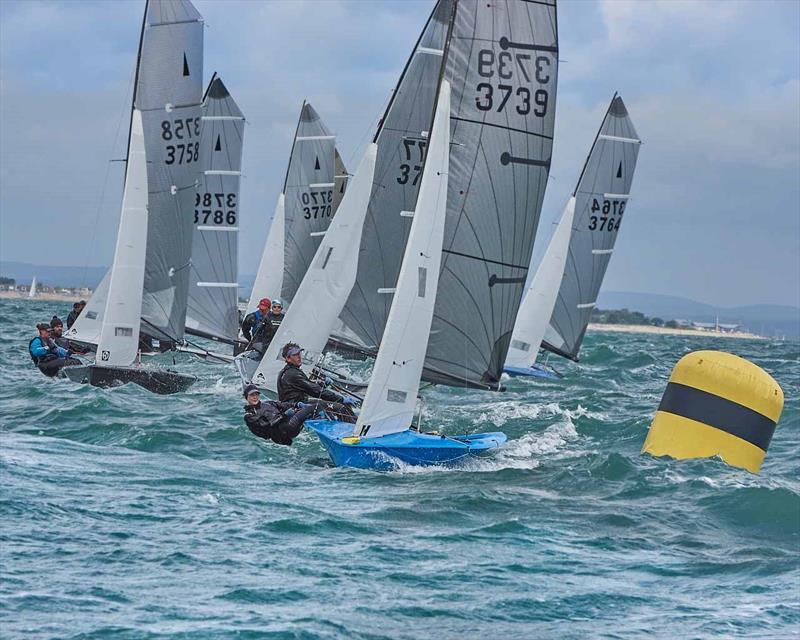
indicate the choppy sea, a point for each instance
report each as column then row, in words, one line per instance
column 129, row 515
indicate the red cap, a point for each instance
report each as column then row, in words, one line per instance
column 264, row 302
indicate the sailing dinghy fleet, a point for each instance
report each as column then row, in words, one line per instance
column 420, row 259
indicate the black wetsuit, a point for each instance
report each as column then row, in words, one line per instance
column 258, row 332
column 275, row 320
column 268, row 420
column 294, row 386
column 72, row 317
column 70, row 346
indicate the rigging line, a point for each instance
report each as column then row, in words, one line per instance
column 105, row 186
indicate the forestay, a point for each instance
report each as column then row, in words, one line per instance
column 502, row 62
column 168, row 93
column 391, row 397
column 213, row 287
column 309, row 191
column 537, row 305
column 601, row 198
column 119, row 333
column 327, row 282
column 402, row 140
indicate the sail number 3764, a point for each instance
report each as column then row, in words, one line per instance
column 608, row 215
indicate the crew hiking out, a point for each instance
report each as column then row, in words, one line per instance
column 294, row 386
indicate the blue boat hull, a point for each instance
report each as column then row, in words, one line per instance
column 536, row 371
column 408, row 447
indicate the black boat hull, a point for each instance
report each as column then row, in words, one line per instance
column 156, row 380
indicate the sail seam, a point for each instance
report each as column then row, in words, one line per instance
column 500, row 126
column 497, row 262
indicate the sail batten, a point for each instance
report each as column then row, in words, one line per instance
column 213, row 291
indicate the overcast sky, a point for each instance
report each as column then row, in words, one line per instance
column 713, row 89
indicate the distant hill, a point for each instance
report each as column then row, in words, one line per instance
column 24, row 272
column 766, row 319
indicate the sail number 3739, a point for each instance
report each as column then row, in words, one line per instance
column 506, row 73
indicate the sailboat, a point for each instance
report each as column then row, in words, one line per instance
column 324, row 289
column 558, row 305
column 314, row 186
column 148, row 280
column 502, row 129
column 461, row 250
column 212, row 310
column 32, row 290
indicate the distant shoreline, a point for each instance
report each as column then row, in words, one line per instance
column 55, row 297
column 641, row 328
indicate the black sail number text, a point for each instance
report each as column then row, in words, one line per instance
column 411, row 170
column 179, row 132
column 317, row 204
column 505, row 76
column 215, row 208
column 607, row 215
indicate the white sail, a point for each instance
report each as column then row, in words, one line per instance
column 119, row 335
column 86, row 328
column 32, row 290
column 537, row 306
column 269, row 277
column 391, row 397
column 326, row 285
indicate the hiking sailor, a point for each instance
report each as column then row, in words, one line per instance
column 257, row 328
column 56, row 332
column 280, row 422
column 294, row 386
column 46, row 354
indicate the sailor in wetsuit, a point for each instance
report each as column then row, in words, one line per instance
column 294, row 386
column 280, row 422
column 46, row 354
column 275, row 315
column 56, row 332
column 257, row 329
column 76, row 311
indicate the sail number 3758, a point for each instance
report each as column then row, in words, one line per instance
column 179, row 132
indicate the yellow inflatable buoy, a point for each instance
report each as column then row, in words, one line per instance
column 716, row 404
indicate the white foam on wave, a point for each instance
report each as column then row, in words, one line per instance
column 526, row 452
column 499, row 413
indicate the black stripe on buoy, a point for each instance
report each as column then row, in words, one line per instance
column 720, row 413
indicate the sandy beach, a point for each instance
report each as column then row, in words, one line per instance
column 55, row 297
column 638, row 328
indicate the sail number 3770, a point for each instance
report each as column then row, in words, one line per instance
column 506, row 73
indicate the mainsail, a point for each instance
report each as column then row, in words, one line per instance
column 316, row 180
column 600, row 202
column 402, row 142
column 327, row 282
column 168, row 93
column 213, row 288
column 309, row 191
column 502, row 61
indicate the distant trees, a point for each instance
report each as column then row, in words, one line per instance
column 8, row 282
column 625, row 316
